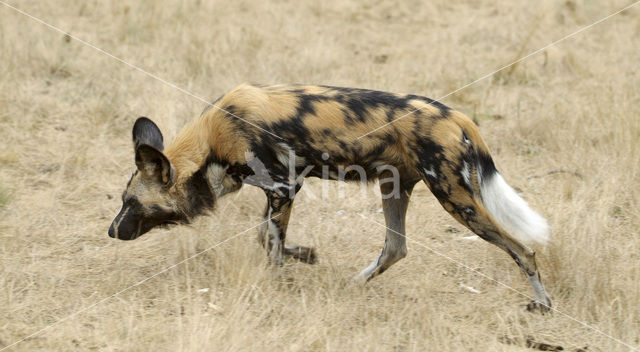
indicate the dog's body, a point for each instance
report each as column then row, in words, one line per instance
column 273, row 137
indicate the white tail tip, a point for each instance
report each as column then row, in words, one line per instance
column 512, row 212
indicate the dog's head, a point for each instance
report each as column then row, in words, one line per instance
column 147, row 202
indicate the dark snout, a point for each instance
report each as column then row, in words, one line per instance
column 126, row 225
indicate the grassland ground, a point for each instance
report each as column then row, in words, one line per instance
column 563, row 127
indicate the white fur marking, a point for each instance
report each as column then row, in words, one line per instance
column 215, row 175
column 286, row 154
column 116, row 227
column 430, row 172
column 538, row 288
column 219, row 181
column 512, row 212
column 367, row 272
column 465, row 173
column 274, row 238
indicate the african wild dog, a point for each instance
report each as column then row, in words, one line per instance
column 321, row 126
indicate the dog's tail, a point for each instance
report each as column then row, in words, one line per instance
column 509, row 210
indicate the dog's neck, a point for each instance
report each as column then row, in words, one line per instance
column 209, row 138
column 197, row 195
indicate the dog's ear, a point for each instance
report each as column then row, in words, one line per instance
column 148, row 144
column 154, row 165
column 147, row 132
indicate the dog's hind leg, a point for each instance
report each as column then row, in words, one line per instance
column 395, row 244
column 455, row 191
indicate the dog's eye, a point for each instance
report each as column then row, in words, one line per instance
column 131, row 201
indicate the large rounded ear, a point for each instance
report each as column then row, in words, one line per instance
column 147, row 132
column 154, row 165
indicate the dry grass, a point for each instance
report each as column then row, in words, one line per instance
column 65, row 117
